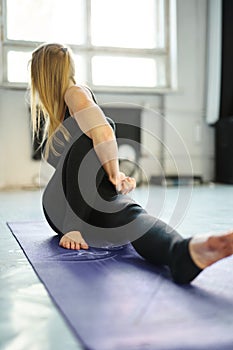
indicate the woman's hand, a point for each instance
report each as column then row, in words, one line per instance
column 124, row 184
column 73, row 240
column 128, row 185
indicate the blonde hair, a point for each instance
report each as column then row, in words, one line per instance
column 52, row 69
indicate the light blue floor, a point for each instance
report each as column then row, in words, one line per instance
column 28, row 318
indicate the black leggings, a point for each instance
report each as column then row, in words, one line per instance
column 161, row 248
column 160, row 244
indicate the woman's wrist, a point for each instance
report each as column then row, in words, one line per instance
column 114, row 179
column 117, row 179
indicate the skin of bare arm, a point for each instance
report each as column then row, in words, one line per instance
column 93, row 123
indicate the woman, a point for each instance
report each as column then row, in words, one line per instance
column 86, row 200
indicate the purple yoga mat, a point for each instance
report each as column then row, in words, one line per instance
column 115, row 300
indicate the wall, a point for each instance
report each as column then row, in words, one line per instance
column 185, row 109
column 16, row 166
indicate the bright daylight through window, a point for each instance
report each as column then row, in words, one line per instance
column 121, row 44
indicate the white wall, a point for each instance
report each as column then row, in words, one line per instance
column 16, row 166
column 185, row 109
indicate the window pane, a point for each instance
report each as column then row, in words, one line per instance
column 17, row 66
column 18, row 71
column 80, row 69
column 161, row 71
column 128, row 23
column 124, row 71
column 46, row 20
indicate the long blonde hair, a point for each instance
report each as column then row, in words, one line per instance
column 52, row 69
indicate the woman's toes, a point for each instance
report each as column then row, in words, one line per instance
column 72, row 245
column 84, row 245
column 77, row 246
column 67, row 245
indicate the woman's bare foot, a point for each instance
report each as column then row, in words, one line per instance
column 208, row 249
column 73, row 240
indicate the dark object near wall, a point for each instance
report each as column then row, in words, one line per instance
column 224, row 150
column 128, row 133
column 226, row 102
column 224, row 126
column 128, row 123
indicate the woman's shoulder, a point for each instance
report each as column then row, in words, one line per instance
column 78, row 97
column 76, row 91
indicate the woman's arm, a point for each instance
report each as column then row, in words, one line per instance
column 93, row 123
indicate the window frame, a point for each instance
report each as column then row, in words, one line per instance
column 168, row 52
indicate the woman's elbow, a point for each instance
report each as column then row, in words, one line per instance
column 102, row 134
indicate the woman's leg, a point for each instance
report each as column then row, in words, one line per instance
column 185, row 257
column 162, row 245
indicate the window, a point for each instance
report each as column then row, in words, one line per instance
column 118, row 44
